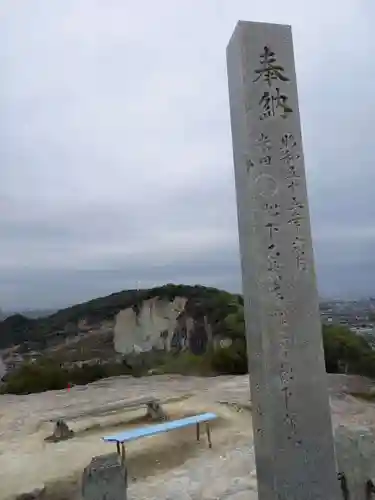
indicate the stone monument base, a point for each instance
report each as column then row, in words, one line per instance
column 105, row 479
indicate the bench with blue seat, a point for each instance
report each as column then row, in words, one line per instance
column 152, row 430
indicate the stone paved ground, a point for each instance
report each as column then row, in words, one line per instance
column 173, row 466
column 211, row 476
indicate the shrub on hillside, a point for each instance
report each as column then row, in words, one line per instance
column 48, row 376
column 33, row 377
column 230, row 360
column 186, row 363
column 347, row 352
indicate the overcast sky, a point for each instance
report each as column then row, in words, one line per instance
column 115, row 144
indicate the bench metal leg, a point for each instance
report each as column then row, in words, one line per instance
column 198, row 432
column 123, row 454
column 208, row 431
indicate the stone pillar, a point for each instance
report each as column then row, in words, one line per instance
column 291, row 419
column 105, row 479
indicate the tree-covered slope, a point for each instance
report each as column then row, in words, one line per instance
column 219, row 307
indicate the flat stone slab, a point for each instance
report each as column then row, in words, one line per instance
column 152, row 404
column 211, row 475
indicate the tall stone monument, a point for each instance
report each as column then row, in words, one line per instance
column 291, row 418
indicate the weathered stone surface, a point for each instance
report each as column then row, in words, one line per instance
column 152, row 326
column 104, row 479
column 24, row 464
column 207, row 476
column 60, row 433
column 291, row 414
column 355, row 453
column 3, row 368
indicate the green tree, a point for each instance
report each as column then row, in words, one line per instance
column 235, row 323
column 231, row 360
column 346, row 352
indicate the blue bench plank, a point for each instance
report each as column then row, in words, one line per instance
column 151, row 430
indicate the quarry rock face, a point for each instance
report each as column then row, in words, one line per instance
column 111, row 335
column 153, row 326
column 3, row 369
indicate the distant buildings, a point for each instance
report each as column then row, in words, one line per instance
column 358, row 315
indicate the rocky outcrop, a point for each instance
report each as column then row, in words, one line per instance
column 152, row 326
column 111, row 329
column 3, row 368
column 160, row 324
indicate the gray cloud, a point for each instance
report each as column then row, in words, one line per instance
column 116, row 162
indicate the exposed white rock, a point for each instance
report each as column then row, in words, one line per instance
column 152, row 327
column 3, row 368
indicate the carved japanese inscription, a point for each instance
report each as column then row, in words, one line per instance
column 293, row 439
column 273, row 102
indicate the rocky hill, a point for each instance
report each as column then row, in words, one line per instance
column 169, row 329
column 168, row 318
